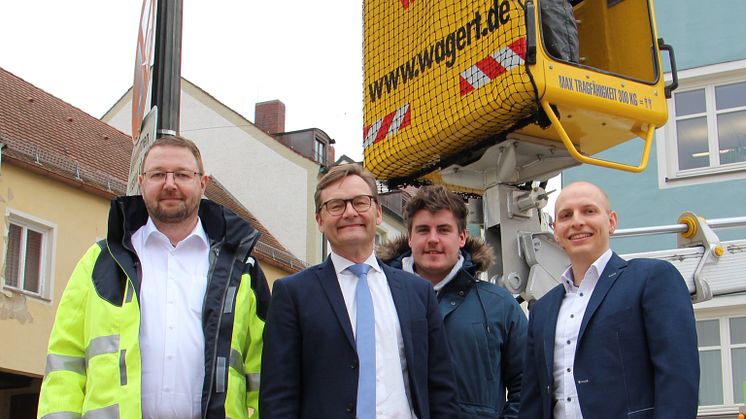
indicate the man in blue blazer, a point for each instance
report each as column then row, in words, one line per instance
column 315, row 363
column 617, row 338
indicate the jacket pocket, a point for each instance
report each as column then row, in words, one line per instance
column 486, row 350
column 642, row 413
column 477, row 411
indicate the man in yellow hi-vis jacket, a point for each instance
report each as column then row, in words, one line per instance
column 163, row 318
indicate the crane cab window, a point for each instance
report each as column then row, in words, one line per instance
column 614, row 36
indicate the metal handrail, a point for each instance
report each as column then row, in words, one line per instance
column 714, row 223
column 647, row 136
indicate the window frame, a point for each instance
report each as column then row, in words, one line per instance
column 380, row 237
column 48, row 233
column 723, row 309
column 707, row 78
column 319, row 150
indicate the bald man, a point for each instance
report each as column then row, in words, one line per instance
column 616, row 339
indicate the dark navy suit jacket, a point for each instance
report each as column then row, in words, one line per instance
column 636, row 354
column 309, row 361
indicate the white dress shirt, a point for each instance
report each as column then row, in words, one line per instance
column 174, row 279
column 392, row 383
column 569, row 319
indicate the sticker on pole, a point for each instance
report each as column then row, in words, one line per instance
column 142, row 142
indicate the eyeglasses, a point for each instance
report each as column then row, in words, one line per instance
column 180, row 176
column 360, row 203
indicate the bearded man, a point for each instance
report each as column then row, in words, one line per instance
column 163, row 318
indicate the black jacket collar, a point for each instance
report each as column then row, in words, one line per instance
column 128, row 214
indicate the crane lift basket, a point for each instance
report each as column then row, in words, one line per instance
column 449, row 84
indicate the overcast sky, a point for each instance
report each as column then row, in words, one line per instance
column 307, row 54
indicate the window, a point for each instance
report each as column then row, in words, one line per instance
column 27, row 255
column 710, row 363
column 705, row 137
column 711, row 126
column 319, row 153
column 380, row 237
column 722, row 359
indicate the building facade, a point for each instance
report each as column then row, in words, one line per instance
column 698, row 164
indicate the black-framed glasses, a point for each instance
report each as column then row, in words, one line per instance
column 360, row 203
column 180, row 176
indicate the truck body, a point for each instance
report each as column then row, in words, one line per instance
column 446, row 80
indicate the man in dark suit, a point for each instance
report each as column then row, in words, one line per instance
column 617, row 338
column 352, row 337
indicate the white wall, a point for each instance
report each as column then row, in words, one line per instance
column 391, row 227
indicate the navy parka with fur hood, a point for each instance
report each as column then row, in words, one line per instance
column 486, row 332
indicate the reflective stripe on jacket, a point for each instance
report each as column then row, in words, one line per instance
column 93, row 362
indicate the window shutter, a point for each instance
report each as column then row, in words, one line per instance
column 13, row 255
column 32, row 268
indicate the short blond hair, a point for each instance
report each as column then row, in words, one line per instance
column 341, row 171
column 176, row 141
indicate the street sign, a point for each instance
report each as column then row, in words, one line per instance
column 142, row 142
column 143, row 58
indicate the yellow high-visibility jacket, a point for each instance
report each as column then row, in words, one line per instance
column 93, row 363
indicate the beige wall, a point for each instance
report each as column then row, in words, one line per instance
column 272, row 273
column 392, row 226
column 79, row 219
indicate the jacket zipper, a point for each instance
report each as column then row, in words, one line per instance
column 214, row 351
column 251, row 238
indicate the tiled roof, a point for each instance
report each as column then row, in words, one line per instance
column 268, row 244
column 50, row 136
column 41, row 128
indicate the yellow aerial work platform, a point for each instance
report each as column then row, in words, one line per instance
column 450, row 84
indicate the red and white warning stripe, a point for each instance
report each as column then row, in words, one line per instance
column 493, row 66
column 386, row 126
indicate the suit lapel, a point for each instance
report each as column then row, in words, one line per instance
column 550, row 326
column 401, row 302
column 611, row 273
column 327, row 276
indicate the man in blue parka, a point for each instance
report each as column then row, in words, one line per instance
column 485, row 326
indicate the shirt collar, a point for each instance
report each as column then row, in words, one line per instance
column 407, row 265
column 341, row 263
column 591, row 275
column 197, row 233
column 459, row 263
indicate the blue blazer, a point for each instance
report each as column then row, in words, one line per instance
column 636, row 354
column 309, row 361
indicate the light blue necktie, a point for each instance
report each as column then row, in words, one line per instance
column 365, row 341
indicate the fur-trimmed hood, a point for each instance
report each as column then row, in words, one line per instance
column 476, row 251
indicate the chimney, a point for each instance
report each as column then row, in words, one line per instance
column 331, row 153
column 270, row 116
